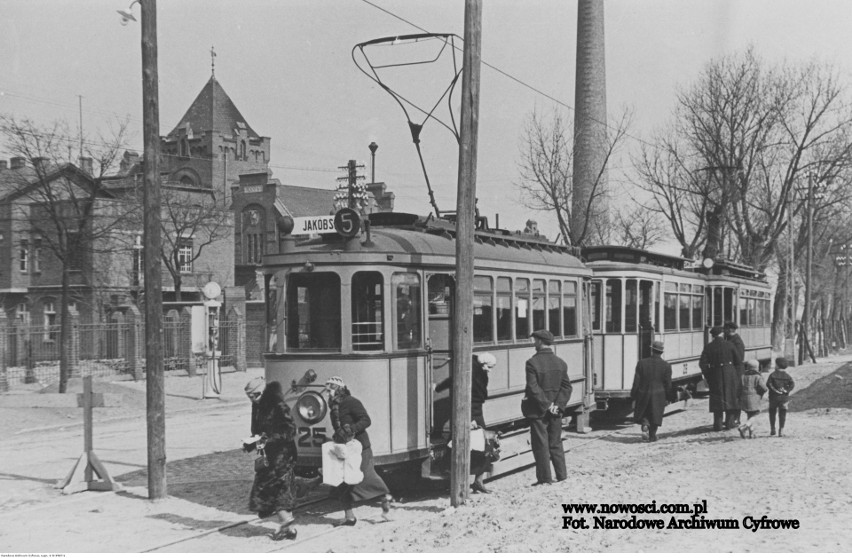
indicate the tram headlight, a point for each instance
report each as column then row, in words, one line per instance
column 311, row 407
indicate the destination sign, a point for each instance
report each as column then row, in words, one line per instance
column 313, row 225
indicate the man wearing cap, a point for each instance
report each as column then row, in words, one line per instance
column 652, row 387
column 718, row 363
column 734, row 339
column 547, row 392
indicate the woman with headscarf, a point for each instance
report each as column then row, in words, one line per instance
column 350, row 420
column 482, row 364
column 273, row 490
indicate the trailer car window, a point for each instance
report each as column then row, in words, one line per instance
column 538, row 304
column 522, row 309
column 554, row 304
column 504, row 309
column 569, row 308
column 613, row 306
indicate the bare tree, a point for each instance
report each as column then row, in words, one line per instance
column 546, row 174
column 637, row 227
column 64, row 207
column 192, row 222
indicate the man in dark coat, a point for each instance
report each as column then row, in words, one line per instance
column 547, row 392
column 734, row 338
column 652, row 387
column 718, row 366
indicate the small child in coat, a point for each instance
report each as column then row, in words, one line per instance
column 752, row 390
column 780, row 384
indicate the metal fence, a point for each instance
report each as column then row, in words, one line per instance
column 30, row 354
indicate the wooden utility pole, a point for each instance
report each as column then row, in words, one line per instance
column 465, row 226
column 806, row 312
column 154, row 382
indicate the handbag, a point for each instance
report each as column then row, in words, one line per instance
column 261, row 463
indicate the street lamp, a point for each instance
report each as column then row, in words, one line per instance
column 154, row 381
column 373, row 147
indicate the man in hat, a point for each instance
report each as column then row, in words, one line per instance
column 718, row 363
column 734, row 339
column 547, row 392
column 652, row 388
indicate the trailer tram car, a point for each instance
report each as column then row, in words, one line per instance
column 377, row 311
column 639, row 296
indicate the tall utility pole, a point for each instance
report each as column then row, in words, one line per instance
column 154, row 382
column 465, row 227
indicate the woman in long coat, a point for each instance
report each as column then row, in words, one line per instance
column 718, row 363
column 273, row 491
column 350, row 420
column 652, row 387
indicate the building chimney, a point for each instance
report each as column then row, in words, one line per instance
column 86, row 165
column 17, row 163
column 3, row 165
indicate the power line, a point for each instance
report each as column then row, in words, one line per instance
column 513, row 78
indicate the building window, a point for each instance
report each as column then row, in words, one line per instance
column 37, row 256
column 75, row 251
column 185, row 255
column 50, row 328
column 25, row 256
column 137, row 260
column 22, row 313
column 243, row 151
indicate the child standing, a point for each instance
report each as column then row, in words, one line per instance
column 752, row 390
column 780, row 385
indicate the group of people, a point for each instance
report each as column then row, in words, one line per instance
column 735, row 386
column 276, row 486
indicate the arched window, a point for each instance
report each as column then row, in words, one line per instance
column 183, row 147
column 243, row 151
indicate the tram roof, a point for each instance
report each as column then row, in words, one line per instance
column 624, row 254
column 395, row 233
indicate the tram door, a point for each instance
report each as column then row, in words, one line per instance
column 646, row 323
column 441, row 287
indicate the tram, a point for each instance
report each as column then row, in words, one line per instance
column 375, row 308
column 378, row 311
column 638, row 296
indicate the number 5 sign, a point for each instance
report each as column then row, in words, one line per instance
column 347, row 222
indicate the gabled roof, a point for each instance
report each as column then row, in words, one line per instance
column 302, row 201
column 16, row 182
column 213, row 111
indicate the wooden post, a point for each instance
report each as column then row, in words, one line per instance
column 155, row 385
column 806, row 314
column 82, row 475
column 465, row 226
column 4, row 350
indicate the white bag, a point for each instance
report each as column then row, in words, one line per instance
column 341, row 463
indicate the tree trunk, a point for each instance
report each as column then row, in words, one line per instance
column 64, row 331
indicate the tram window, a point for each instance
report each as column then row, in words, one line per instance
column 729, row 304
column 630, row 306
column 698, row 309
column 367, row 311
column 504, row 309
column 717, row 306
column 313, row 311
column 522, row 308
column 750, row 317
column 684, row 306
column 758, row 308
column 538, row 297
column 569, row 308
column 483, row 309
column 440, row 295
column 595, row 300
column 670, row 311
column 406, row 292
column 646, row 294
column 613, row 306
column 743, row 311
column 554, row 304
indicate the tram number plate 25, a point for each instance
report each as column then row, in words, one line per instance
column 311, row 436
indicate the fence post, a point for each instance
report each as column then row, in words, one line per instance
column 235, row 316
column 185, row 349
column 4, row 344
column 74, row 353
column 133, row 356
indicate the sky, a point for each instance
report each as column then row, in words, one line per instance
column 288, row 67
